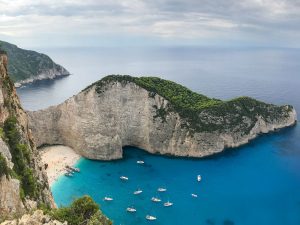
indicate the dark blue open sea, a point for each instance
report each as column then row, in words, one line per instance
column 257, row 184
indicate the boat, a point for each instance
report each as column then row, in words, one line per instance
column 108, row 199
column 123, row 178
column 167, row 204
column 194, row 195
column 199, row 178
column 68, row 174
column 140, row 162
column 137, row 192
column 131, row 209
column 154, row 199
column 161, row 189
column 148, row 217
column 73, row 169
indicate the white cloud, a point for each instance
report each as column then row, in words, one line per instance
column 199, row 20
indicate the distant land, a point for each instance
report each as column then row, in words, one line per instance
column 26, row 66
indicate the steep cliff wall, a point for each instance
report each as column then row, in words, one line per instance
column 119, row 111
column 23, row 183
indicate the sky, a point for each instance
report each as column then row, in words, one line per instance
column 67, row 23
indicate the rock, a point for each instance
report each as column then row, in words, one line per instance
column 10, row 199
column 103, row 118
column 37, row 218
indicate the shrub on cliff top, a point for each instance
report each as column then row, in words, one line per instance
column 83, row 211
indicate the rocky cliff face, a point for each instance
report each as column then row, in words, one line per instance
column 36, row 218
column 23, row 183
column 102, row 119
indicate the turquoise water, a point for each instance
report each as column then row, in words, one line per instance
column 257, row 184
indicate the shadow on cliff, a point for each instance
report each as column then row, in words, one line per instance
column 281, row 138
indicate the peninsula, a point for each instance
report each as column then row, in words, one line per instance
column 157, row 115
column 29, row 66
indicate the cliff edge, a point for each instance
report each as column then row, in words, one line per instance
column 23, row 182
column 157, row 115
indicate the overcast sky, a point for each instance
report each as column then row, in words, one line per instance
column 35, row 23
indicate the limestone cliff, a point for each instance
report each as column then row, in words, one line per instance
column 23, row 183
column 36, row 218
column 156, row 115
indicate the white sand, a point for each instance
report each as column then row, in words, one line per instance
column 58, row 157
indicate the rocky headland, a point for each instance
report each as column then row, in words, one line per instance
column 29, row 66
column 157, row 115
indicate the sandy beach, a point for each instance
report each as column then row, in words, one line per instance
column 57, row 157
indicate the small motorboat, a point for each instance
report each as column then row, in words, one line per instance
column 76, row 169
column 194, row 195
column 68, row 174
column 123, row 178
column 137, row 192
column 108, row 199
column 148, row 217
column 161, row 189
column 199, row 178
column 73, row 169
column 154, row 199
column 131, row 209
column 167, row 204
column 140, row 162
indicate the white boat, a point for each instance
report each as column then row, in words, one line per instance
column 161, row 189
column 68, row 174
column 73, row 169
column 148, row 217
column 137, row 192
column 140, row 162
column 123, row 178
column 167, row 204
column 154, row 199
column 194, row 195
column 131, row 209
column 199, row 178
column 108, row 199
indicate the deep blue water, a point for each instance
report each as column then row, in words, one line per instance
column 256, row 184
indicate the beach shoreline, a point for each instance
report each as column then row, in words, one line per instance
column 57, row 157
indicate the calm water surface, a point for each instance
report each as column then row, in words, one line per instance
column 255, row 184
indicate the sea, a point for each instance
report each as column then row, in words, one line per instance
column 256, row 184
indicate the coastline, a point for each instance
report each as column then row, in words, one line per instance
column 57, row 157
column 41, row 77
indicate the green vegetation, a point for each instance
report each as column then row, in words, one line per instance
column 24, row 64
column 199, row 112
column 1, row 49
column 21, row 159
column 4, row 169
column 83, row 211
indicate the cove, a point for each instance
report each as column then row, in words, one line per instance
column 255, row 184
